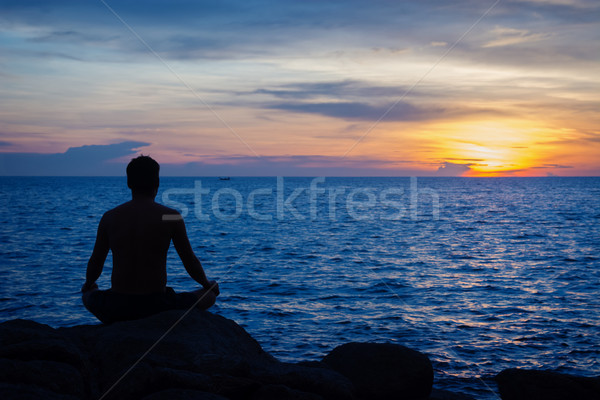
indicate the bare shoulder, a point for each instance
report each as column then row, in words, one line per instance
column 118, row 208
column 108, row 215
column 168, row 214
column 113, row 212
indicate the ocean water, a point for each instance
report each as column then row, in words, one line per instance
column 481, row 274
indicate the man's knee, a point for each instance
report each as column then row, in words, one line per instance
column 92, row 301
column 85, row 298
column 206, row 299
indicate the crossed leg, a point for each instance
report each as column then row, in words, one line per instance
column 206, row 298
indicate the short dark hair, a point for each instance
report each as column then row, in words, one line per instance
column 142, row 175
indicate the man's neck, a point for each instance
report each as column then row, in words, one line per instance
column 142, row 197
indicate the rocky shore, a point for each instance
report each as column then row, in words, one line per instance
column 206, row 356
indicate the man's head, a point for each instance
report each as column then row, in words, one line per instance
column 142, row 176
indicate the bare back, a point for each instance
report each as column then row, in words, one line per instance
column 139, row 237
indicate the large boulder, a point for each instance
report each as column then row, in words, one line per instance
column 323, row 381
column 168, row 355
column 383, row 370
column 201, row 343
column 521, row 384
column 38, row 362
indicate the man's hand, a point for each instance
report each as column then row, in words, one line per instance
column 87, row 286
column 213, row 286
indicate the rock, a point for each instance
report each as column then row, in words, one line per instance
column 234, row 387
column 281, row 392
column 439, row 394
column 20, row 330
column 324, row 382
column 28, row 340
column 201, row 342
column 519, row 384
column 183, row 394
column 383, row 370
column 36, row 355
column 202, row 356
column 50, row 375
column 10, row 391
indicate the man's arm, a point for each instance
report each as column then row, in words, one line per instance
column 188, row 258
column 96, row 262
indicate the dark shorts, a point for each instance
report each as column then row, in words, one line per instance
column 109, row 306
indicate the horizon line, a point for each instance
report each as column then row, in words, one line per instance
column 298, row 176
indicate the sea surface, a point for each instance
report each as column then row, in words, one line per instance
column 481, row 274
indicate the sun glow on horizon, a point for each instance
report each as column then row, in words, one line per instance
column 494, row 148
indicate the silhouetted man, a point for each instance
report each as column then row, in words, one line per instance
column 139, row 234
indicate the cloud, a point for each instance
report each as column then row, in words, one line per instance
column 590, row 136
column 107, row 160
column 303, row 165
column 360, row 100
column 194, row 30
column 347, row 89
column 466, row 159
column 76, row 161
column 184, row 30
column 388, row 111
column 348, row 100
column 510, row 36
column 560, row 166
column 453, row 169
column 582, row 137
column 400, row 111
column 240, row 30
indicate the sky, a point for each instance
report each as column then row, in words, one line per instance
column 301, row 88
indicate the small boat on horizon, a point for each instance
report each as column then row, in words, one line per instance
column 224, row 178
